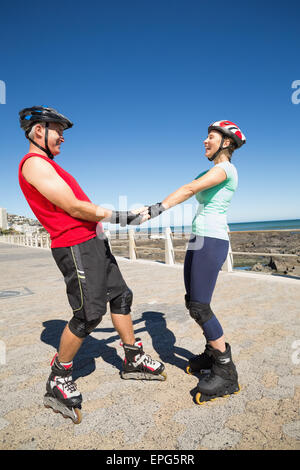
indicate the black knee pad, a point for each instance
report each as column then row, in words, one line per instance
column 122, row 303
column 91, row 325
column 201, row 313
column 187, row 301
column 81, row 328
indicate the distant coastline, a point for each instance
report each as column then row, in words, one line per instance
column 288, row 224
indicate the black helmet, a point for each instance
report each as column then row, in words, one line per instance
column 31, row 116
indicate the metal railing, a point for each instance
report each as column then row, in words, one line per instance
column 43, row 241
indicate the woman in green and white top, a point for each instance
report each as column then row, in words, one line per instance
column 206, row 253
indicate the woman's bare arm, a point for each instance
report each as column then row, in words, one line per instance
column 211, row 178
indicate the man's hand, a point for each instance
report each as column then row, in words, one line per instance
column 135, row 217
column 142, row 212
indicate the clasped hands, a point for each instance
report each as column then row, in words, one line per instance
column 136, row 216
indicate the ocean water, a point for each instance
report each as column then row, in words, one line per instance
column 266, row 225
column 235, row 227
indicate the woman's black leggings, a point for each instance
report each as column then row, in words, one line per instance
column 204, row 258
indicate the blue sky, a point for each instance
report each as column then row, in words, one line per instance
column 142, row 81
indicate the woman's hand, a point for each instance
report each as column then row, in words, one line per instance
column 155, row 210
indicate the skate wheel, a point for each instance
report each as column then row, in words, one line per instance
column 189, row 370
column 208, row 399
column 164, row 375
column 79, row 416
column 198, row 399
column 199, row 402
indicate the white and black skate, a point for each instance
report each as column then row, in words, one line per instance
column 140, row 366
column 62, row 394
column 222, row 380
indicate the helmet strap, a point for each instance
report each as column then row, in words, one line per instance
column 218, row 151
column 47, row 150
column 46, row 142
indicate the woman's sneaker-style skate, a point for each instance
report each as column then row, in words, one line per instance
column 138, row 365
column 62, row 394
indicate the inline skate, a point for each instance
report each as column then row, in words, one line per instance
column 62, row 395
column 222, row 380
column 138, row 365
column 201, row 363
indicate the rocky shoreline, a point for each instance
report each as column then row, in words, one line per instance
column 267, row 242
column 274, row 242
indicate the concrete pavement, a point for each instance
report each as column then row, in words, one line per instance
column 260, row 317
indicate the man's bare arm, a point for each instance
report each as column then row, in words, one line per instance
column 45, row 179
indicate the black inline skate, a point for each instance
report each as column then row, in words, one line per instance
column 62, row 395
column 223, row 379
column 138, row 365
column 201, row 363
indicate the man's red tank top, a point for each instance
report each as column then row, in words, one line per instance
column 64, row 230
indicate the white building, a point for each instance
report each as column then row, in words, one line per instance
column 3, row 218
column 25, row 228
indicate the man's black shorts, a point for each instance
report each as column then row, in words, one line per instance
column 92, row 277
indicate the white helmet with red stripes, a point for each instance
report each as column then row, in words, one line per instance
column 229, row 129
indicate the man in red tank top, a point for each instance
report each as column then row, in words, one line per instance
column 90, row 271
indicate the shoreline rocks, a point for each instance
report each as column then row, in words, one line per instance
column 273, row 242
